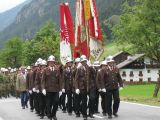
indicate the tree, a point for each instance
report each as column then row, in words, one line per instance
column 140, row 26
column 11, row 55
column 45, row 43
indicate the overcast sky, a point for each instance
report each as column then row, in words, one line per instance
column 8, row 4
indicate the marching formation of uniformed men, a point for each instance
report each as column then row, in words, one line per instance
column 74, row 87
column 8, row 82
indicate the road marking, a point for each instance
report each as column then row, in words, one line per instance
column 141, row 105
column 97, row 116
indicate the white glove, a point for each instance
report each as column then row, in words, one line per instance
column 104, row 90
column 63, row 90
column 77, row 91
column 60, row 93
column 37, row 91
column 121, row 88
column 34, row 89
column 100, row 90
column 30, row 91
column 44, row 92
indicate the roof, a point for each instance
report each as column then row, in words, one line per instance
column 115, row 55
column 130, row 60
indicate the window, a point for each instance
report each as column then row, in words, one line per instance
column 151, row 62
column 124, row 80
column 131, row 80
column 149, row 79
column 149, row 71
column 124, row 74
column 131, row 74
column 140, row 80
column 140, row 73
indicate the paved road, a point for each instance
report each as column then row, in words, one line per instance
column 10, row 110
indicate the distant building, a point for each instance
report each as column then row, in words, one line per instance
column 121, row 56
column 139, row 68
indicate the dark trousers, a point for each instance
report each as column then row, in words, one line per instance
column 24, row 98
column 31, row 101
column 52, row 100
column 81, row 103
column 37, row 102
column 63, row 101
column 77, row 104
column 115, row 95
column 92, row 99
column 97, row 101
column 74, row 102
column 42, row 104
column 103, row 102
column 70, row 101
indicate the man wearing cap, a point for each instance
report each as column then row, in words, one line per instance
column 75, row 96
column 67, row 84
column 38, row 86
column 113, row 83
column 51, row 85
column 96, row 66
column 100, row 80
column 12, row 82
column 6, row 78
column 21, row 86
column 81, row 85
column 29, row 86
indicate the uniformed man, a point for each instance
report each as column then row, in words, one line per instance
column 51, row 85
column 12, row 84
column 6, row 78
column 112, row 85
column 81, row 85
column 29, row 86
column 37, row 87
column 75, row 96
column 100, row 80
column 96, row 67
column 67, row 84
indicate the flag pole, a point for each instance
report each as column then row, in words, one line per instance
column 87, row 17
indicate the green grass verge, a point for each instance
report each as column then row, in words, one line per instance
column 113, row 48
column 140, row 94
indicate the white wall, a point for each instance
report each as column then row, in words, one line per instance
column 153, row 74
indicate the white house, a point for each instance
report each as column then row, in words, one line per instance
column 139, row 68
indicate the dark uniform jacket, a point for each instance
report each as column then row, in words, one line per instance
column 51, row 80
column 92, row 78
column 38, row 80
column 100, row 78
column 114, row 80
column 29, row 81
column 82, row 78
column 67, row 78
column 109, row 79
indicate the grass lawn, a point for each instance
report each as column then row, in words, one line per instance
column 140, row 94
column 113, row 48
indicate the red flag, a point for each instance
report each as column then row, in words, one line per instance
column 81, row 46
column 96, row 48
column 67, row 33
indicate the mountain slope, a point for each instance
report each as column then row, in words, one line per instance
column 35, row 14
column 9, row 16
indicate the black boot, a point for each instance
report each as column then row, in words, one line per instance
column 115, row 114
column 54, row 118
